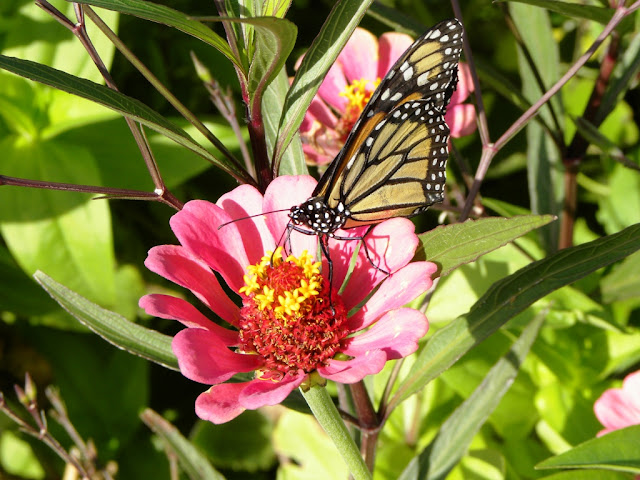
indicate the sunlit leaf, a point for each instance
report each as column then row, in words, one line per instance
column 114, row 328
column 510, row 296
column 617, row 451
column 453, row 245
column 457, row 431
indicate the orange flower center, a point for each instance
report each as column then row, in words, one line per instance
column 287, row 316
column 358, row 95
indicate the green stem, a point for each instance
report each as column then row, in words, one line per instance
column 329, row 418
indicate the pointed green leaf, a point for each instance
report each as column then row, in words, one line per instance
column 114, row 328
column 510, row 296
column 170, row 17
column 127, row 106
column 292, row 162
column 458, row 430
column 274, row 40
column 450, row 246
column 192, row 461
column 275, row 8
column 324, row 50
column 539, row 64
column 618, row 450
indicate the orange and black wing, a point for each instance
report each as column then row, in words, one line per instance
column 394, row 161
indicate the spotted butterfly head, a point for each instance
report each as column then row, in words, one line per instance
column 316, row 215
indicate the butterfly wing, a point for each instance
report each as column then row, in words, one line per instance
column 393, row 162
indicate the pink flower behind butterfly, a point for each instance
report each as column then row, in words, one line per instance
column 346, row 89
column 620, row 407
column 287, row 328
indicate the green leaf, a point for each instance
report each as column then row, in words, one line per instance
column 458, row 430
column 398, row 21
column 623, row 282
column 168, row 16
column 275, row 8
column 274, row 40
column 625, row 73
column 19, row 293
column 33, row 34
column 620, row 208
column 588, row 475
column 192, row 461
column 116, row 160
column 616, row 451
column 510, row 296
column 244, row 443
column 127, row 106
column 65, row 233
column 300, row 438
column 450, row 246
column 539, row 66
column 292, row 162
column 575, row 10
column 114, row 328
column 591, row 133
column 322, row 54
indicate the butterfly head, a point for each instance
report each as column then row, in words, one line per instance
column 318, row 217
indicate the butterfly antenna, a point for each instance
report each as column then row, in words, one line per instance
column 252, row 216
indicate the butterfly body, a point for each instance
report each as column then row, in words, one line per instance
column 393, row 162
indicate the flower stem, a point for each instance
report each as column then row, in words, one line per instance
column 329, row 418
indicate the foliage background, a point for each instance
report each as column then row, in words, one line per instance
column 589, row 341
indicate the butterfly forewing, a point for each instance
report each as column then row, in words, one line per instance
column 393, row 162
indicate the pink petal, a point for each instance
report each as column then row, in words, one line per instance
column 620, row 407
column 354, row 370
column 172, row 308
column 220, row 404
column 391, row 245
column 266, row 392
column 465, row 84
column 399, row 289
column 392, row 46
column 176, row 264
column 245, row 201
column 203, row 358
column 359, row 58
column 322, row 113
column 196, row 226
column 333, row 84
column 397, row 334
column 461, row 119
column 283, row 193
column 631, row 386
column 314, row 156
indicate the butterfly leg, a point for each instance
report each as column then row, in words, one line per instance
column 324, row 245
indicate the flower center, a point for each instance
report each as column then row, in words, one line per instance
column 287, row 316
column 358, row 96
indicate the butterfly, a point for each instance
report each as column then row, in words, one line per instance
column 393, row 162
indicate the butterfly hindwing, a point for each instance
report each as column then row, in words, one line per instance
column 400, row 167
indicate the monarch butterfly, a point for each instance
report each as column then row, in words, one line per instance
column 394, row 160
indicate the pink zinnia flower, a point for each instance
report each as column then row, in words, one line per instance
column 287, row 327
column 620, row 407
column 346, row 89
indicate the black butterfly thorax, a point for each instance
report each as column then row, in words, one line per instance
column 318, row 217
